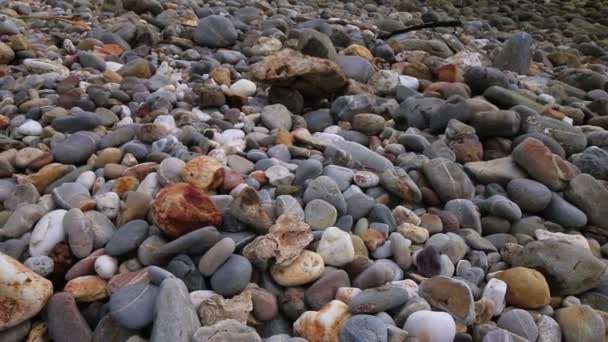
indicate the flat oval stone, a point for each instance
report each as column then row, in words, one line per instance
column 232, row 277
column 127, row 238
column 65, row 322
column 133, row 306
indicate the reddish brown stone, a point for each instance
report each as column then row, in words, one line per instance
column 181, row 208
column 231, row 180
column 63, row 261
column 85, row 266
column 450, row 73
column 125, row 184
column 205, row 173
column 467, row 148
column 121, row 280
column 445, row 90
column 140, row 171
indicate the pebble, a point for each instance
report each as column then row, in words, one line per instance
column 336, row 247
column 65, row 322
column 25, row 292
column 271, row 158
column 232, row 277
column 425, row 324
column 133, row 306
column 363, row 328
column 176, row 318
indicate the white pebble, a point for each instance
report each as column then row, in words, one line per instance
column 409, row 82
column 431, row 326
column 108, row 204
column 496, row 290
column 87, row 179
column 106, row 266
column 244, row 87
column 30, row 127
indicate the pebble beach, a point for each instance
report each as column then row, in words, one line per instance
column 303, row 171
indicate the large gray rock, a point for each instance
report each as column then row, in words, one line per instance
column 448, row 179
column 516, row 54
column 176, row 318
column 215, row 31
column 568, row 268
column 590, row 196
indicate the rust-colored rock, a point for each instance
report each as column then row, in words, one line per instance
column 323, row 325
column 284, row 242
column 45, row 176
column 543, row 165
column 125, row 184
column 140, row 171
column 311, row 76
column 181, row 208
column 204, row 172
column 467, row 148
column 87, row 288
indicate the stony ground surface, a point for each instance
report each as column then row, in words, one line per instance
column 284, row 171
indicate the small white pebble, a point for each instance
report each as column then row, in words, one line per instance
column 106, row 266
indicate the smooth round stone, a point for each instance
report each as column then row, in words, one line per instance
column 79, row 233
column 133, row 306
column 325, row 188
column 336, row 247
column 86, row 179
column 320, row 214
column 341, row 175
column 519, row 322
column 564, row 213
column 360, row 328
column 81, row 121
column 65, row 322
column 324, row 290
column 306, row 170
column 500, row 206
column 526, row 288
column 215, row 31
column 75, row 149
column 378, row 299
column 530, row 195
column 276, row 116
column 580, row 323
column 232, row 277
column 434, row 326
column 145, row 251
column 47, row 233
column 216, row 256
column 366, row 179
column 375, row 275
column 496, row 290
column 108, row 204
column 106, row 266
column 30, row 127
column 306, row 268
column 244, row 87
column 127, row 238
column 70, row 195
column 42, row 265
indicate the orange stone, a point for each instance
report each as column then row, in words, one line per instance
column 125, row 184
column 87, row 288
column 181, row 208
column 204, row 172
